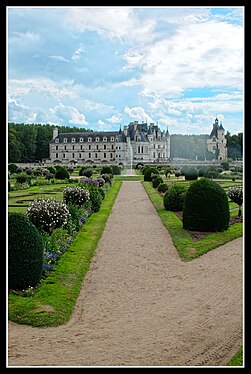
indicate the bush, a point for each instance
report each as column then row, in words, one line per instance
column 148, row 174
column 95, row 198
column 106, row 170
column 62, row 173
column 157, row 181
column 87, row 173
column 76, row 195
column 107, row 178
column 162, row 187
column 48, row 214
column 116, row 170
column 22, row 178
column 206, row 207
column 174, row 198
column 211, row 172
column 25, row 252
column 75, row 215
column 236, row 195
column 191, row 174
column 12, row 168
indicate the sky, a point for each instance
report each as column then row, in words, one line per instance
column 103, row 67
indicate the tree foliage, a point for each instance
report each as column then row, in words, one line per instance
column 30, row 142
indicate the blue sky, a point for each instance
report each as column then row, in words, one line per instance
column 102, row 67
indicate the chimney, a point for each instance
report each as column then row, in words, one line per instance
column 55, row 133
column 125, row 130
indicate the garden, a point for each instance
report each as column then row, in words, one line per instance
column 65, row 218
column 50, row 226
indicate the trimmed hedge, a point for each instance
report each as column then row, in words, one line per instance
column 206, row 207
column 25, row 261
column 174, row 198
column 148, row 174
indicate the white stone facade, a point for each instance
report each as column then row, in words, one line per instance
column 136, row 143
column 217, row 144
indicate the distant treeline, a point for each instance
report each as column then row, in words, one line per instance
column 30, row 143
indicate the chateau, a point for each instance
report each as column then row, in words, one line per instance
column 138, row 142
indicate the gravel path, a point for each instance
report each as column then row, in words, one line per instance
column 140, row 305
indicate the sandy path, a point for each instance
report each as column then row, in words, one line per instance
column 140, row 305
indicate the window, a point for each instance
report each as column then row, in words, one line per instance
column 81, row 147
column 90, row 155
column 96, row 155
column 89, row 146
column 112, row 146
column 65, row 140
column 65, row 147
column 56, row 155
column 73, row 147
column 56, row 140
column 111, row 155
column 56, row 147
column 89, row 139
column 81, row 140
column 104, row 139
column 63, row 155
column 104, row 146
column 73, row 155
column 97, row 139
column 73, row 140
column 142, row 150
column 138, row 148
column 104, row 155
column 112, row 138
column 97, row 147
column 79, row 155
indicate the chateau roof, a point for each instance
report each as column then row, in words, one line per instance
column 86, row 135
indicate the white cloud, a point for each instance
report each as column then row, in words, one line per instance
column 197, row 55
column 59, row 58
column 115, row 118
column 138, row 113
column 77, row 53
column 19, row 87
column 110, row 22
column 69, row 114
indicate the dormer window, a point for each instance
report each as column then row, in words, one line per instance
column 104, row 139
column 56, row 140
column 112, row 138
column 89, row 139
column 97, row 139
column 73, row 140
column 81, row 140
column 65, row 140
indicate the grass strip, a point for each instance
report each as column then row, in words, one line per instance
column 237, row 360
column 54, row 300
column 187, row 248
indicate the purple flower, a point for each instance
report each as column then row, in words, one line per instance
column 46, row 266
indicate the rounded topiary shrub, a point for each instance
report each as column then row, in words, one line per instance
column 148, row 174
column 116, row 170
column 191, row 174
column 62, row 173
column 157, row 181
column 106, row 170
column 25, row 252
column 174, row 198
column 162, row 187
column 206, row 207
